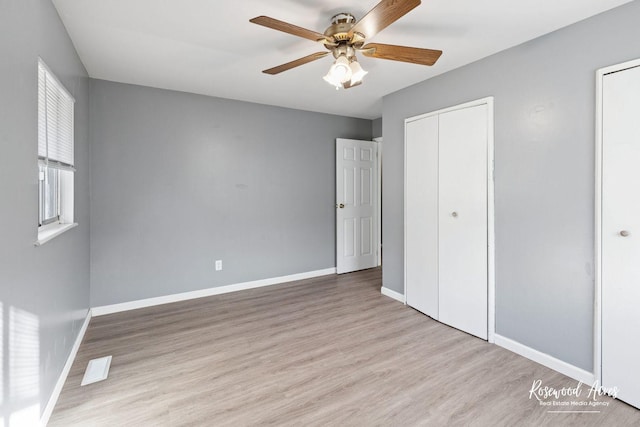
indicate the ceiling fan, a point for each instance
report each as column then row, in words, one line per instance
column 346, row 36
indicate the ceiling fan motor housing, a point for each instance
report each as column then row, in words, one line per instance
column 343, row 49
column 340, row 26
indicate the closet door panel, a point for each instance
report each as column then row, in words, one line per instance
column 462, row 262
column 421, row 215
column 621, row 234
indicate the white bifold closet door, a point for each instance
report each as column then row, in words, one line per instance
column 421, row 215
column 462, row 215
column 621, row 234
column 446, row 228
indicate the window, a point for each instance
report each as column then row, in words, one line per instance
column 55, row 156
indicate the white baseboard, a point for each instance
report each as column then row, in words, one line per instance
column 149, row 302
column 48, row 410
column 392, row 294
column 565, row 368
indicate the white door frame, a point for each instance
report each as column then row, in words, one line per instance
column 378, row 141
column 597, row 304
column 491, row 282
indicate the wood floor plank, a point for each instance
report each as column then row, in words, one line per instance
column 324, row 351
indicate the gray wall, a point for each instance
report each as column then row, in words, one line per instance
column 181, row 180
column 544, row 160
column 376, row 128
column 44, row 291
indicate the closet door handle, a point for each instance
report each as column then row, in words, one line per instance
column 624, row 233
column 454, row 214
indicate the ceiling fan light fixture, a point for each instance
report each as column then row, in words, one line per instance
column 332, row 80
column 357, row 73
column 341, row 69
column 339, row 73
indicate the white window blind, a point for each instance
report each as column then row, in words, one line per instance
column 55, row 120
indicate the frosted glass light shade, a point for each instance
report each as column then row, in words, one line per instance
column 339, row 73
column 357, row 73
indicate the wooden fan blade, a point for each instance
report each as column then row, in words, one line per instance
column 382, row 15
column 285, row 27
column 296, row 63
column 413, row 55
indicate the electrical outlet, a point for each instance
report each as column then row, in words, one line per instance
column 218, row 265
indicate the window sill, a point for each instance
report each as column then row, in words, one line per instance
column 45, row 235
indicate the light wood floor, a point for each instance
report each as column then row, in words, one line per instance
column 324, row 351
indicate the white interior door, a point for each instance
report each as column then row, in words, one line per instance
column 621, row 234
column 462, row 246
column 421, row 215
column 356, row 205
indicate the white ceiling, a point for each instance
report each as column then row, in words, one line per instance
column 210, row 47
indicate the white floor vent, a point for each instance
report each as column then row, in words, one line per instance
column 97, row 370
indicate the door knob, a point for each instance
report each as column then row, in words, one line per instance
column 341, row 206
column 454, row 214
column 624, row 233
